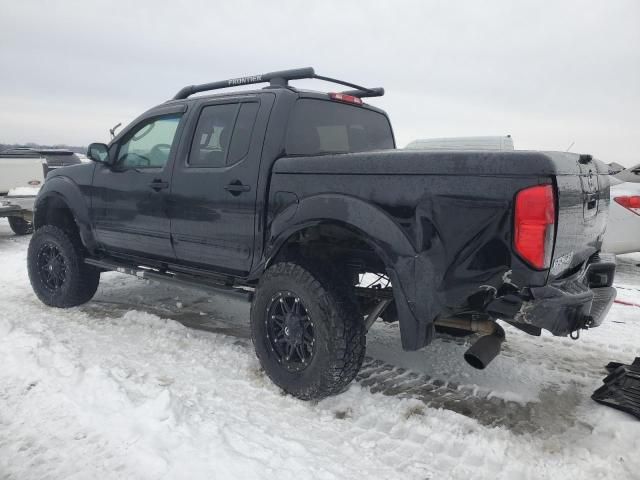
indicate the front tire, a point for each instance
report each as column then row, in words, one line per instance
column 20, row 226
column 57, row 271
column 307, row 331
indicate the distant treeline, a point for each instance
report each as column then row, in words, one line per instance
column 7, row 146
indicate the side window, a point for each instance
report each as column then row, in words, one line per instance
column 148, row 146
column 242, row 132
column 212, row 137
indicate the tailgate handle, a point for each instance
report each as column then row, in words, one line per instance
column 591, row 200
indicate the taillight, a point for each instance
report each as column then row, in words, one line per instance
column 534, row 225
column 629, row 202
column 341, row 97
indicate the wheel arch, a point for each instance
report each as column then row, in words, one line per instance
column 373, row 226
column 366, row 221
column 61, row 203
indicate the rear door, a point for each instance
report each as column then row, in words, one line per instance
column 214, row 186
column 129, row 198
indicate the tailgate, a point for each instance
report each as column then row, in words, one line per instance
column 19, row 172
column 583, row 205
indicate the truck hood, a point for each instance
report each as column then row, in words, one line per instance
column 416, row 162
column 80, row 173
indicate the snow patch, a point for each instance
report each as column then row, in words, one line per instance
column 23, row 192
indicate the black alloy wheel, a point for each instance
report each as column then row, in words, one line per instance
column 57, row 270
column 307, row 329
column 52, row 267
column 290, row 331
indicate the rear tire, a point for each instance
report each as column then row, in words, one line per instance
column 57, row 271
column 20, row 226
column 310, row 308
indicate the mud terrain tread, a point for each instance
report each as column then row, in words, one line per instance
column 347, row 340
column 84, row 279
column 20, row 226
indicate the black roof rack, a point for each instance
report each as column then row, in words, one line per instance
column 278, row 79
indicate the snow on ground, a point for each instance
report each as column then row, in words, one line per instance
column 118, row 388
column 23, row 192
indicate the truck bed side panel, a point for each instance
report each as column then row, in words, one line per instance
column 460, row 241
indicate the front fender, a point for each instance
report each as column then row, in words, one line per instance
column 58, row 191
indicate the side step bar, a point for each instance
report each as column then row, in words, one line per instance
column 180, row 279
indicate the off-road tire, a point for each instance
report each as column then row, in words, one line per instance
column 338, row 328
column 20, row 226
column 81, row 280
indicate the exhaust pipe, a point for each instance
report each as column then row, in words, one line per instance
column 487, row 347
column 481, row 353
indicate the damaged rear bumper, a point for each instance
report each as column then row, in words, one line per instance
column 565, row 306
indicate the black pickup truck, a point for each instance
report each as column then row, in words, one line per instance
column 299, row 202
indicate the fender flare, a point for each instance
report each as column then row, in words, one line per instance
column 379, row 230
column 64, row 189
column 376, row 227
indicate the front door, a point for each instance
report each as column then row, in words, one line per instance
column 214, row 186
column 129, row 197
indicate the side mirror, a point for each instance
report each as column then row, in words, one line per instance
column 98, row 152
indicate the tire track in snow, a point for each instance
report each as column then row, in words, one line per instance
column 388, row 379
column 552, row 413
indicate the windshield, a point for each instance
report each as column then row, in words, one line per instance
column 323, row 126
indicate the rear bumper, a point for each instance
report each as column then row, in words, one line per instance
column 7, row 210
column 16, row 206
column 568, row 305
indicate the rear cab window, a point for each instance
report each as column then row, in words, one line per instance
column 319, row 127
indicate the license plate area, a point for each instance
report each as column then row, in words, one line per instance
column 590, row 187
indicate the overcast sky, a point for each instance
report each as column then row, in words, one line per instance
column 548, row 73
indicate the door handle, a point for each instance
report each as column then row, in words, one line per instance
column 158, row 185
column 236, row 187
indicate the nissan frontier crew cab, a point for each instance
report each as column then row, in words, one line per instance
column 294, row 200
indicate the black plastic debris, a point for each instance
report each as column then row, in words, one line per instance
column 621, row 389
column 612, row 366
